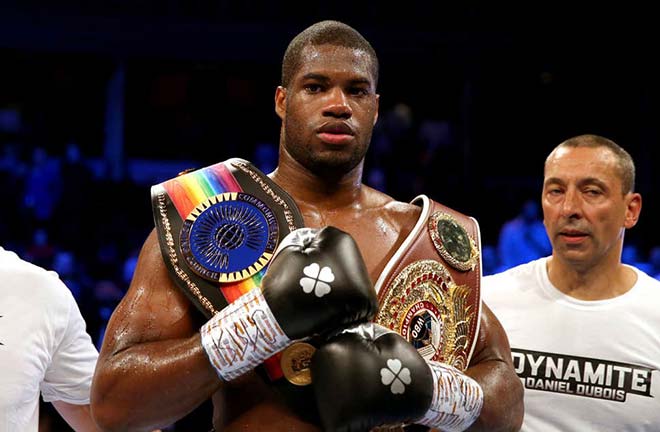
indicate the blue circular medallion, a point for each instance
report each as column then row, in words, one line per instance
column 229, row 237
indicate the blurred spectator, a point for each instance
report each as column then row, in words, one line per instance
column 106, row 295
column 40, row 252
column 630, row 255
column 11, row 163
column 376, row 178
column 128, row 268
column 438, row 147
column 10, row 120
column 435, row 136
column 265, row 157
column 12, row 176
column 523, row 238
column 107, row 264
column 490, row 260
column 74, row 212
column 64, row 264
column 654, row 261
column 42, row 185
column 393, row 132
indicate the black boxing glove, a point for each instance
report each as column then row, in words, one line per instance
column 317, row 282
column 369, row 376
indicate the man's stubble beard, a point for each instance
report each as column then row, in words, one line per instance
column 328, row 164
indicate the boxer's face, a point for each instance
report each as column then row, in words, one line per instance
column 329, row 109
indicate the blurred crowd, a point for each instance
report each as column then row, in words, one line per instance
column 61, row 216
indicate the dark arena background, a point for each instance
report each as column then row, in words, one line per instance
column 100, row 100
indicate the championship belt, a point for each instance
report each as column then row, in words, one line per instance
column 218, row 228
column 430, row 291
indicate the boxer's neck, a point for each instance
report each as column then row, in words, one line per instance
column 321, row 192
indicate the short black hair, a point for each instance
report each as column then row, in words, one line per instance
column 327, row 32
column 625, row 162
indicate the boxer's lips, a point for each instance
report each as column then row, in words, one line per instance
column 335, row 133
column 335, row 138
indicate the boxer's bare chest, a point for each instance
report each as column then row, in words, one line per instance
column 378, row 231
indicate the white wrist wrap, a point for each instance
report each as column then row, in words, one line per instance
column 242, row 336
column 457, row 399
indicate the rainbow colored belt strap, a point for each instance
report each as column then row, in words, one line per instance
column 205, row 216
column 189, row 190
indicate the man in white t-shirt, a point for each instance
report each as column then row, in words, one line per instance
column 584, row 328
column 44, row 348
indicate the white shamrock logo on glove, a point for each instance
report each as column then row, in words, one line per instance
column 317, row 279
column 396, row 375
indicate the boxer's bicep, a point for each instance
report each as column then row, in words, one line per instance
column 153, row 309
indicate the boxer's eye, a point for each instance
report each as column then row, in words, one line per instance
column 358, row 91
column 313, row 88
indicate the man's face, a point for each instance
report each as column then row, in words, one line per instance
column 585, row 211
column 329, row 109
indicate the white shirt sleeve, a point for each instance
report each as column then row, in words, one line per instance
column 69, row 376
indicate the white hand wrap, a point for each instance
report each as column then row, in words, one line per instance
column 457, row 399
column 242, row 335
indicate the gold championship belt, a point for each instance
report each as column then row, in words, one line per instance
column 430, row 291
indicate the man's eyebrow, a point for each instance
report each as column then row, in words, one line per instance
column 315, row 76
column 323, row 78
column 580, row 182
column 593, row 181
column 553, row 180
column 361, row 81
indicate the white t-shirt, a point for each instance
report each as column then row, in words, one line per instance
column 586, row 365
column 43, row 344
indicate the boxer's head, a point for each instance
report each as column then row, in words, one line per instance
column 327, row 101
column 326, row 33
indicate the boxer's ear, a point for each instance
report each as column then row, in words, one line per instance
column 280, row 101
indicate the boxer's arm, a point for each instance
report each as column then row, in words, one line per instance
column 492, row 367
column 152, row 369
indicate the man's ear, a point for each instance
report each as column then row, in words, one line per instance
column 377, row 106
column 634, row 208
column 280, row 101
